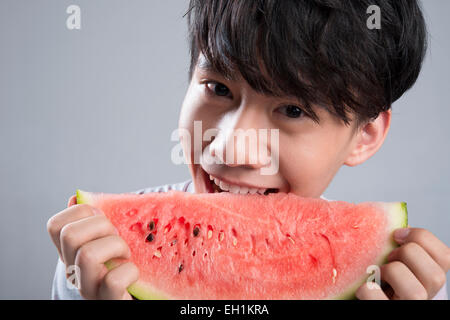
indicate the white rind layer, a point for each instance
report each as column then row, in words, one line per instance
column 397, row 218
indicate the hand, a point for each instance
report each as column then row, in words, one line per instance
column 415, row 271
column 84, row 237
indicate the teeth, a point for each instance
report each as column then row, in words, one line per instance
column 224, row 186
column 235, row 188
column 243, row 190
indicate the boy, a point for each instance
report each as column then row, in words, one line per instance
column 314, row 75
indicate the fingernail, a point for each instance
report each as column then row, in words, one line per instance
column 401, row 234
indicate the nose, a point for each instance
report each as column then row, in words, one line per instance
column 243, row 140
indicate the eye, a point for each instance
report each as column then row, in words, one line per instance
column 291, row 111
column 218, row 89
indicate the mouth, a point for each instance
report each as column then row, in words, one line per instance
column 219, row 185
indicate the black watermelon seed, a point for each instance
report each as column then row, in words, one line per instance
column 196, row 231
column 180, row 268
column 150, row 237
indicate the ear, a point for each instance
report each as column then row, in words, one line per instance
column 369, row 139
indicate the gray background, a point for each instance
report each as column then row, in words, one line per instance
column 94, row 109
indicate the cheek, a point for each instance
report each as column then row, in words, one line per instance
column 196, row 117
column 307, row 160
column 197, row 108
column 310, row 161
column 188, row 110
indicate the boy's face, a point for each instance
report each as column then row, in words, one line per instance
column 308, row 153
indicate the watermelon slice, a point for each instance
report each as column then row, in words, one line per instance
column 228, row 246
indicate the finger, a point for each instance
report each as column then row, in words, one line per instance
column 116, row 281
column 432, row 245
column 425, row 269
column 370, row 291
column 91, row 258
column 58, row 221
column 72, row 201
column 75, row 234
column 405, row 285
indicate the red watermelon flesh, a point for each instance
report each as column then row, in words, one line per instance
column 228, row 246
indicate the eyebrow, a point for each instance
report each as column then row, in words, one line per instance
column 205, row 65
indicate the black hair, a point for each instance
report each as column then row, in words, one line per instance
column 319, row 51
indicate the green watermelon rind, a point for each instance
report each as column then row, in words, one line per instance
column 140, row 290
column 83, row 197
column 398, row 218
